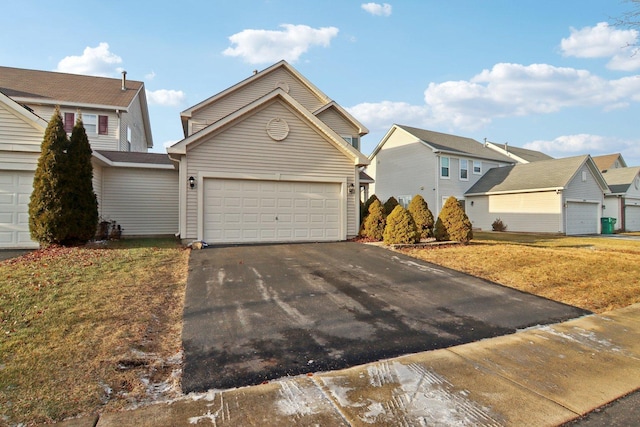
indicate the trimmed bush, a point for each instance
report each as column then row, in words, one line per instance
column 422, row 216
column 367, row 205
column 453, row 224
column 375, row 223
column 400, row 227
column 498, row 225
column 389, row 205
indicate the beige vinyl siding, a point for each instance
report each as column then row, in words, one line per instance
column 245, row 148
column 18, row 160
column 245, row 95
column 143, row 201
column 97, row 185
column 528, row 212
column 97, row 142
column 133, row 119
column 338, row 123
column 16, row 133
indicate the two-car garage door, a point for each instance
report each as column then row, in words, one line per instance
column 15, row 192
column 237, row 211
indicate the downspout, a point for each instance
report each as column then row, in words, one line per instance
column 623, row 211
column 437, row 184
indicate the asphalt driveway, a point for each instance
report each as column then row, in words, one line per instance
column 255, row 313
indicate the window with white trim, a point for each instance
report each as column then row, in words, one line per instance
column 404, row 201
column 90, row 122
column 464, row 170
column 354, row 141
column 444, row 167
column 128, row 138
column 477, row 167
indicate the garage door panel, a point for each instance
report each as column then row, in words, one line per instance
column 255, row 211
column 582, row 218
column 15, row 193
column 632, row 218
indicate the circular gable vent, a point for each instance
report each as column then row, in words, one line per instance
column 277, row 129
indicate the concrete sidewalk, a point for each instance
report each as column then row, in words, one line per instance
column 543, row 376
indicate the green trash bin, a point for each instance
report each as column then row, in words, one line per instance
column 607, row 224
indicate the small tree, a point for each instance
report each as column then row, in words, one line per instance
column 422, row 216
column 367, row 205
column 47, row 222
column 453, row 223
column 400, row 227
column 389, row 205
column 375, row 222
column 83, row 205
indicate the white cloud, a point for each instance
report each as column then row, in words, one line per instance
column 603, row 41
column 506, row 90
column 570, row 144
column 94, row 61
column 266, row 46
column 377, row 9
column 166, row 97
column 150, row 76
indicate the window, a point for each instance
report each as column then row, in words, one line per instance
column 477, row 167
column 404, row 201
column 354, row 141
column 444, row 167
column 128, row 138
column 90, row 122
column 69, row 122
column 464, row 169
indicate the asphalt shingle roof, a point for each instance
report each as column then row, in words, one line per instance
column 619, row 179
column 53, row 87
column 607, row 161
column 455, row 144
column 528, row 155
column 554, row 173
column 135, row 157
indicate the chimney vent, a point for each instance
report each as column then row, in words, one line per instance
column 255, row 72
column 124, row 80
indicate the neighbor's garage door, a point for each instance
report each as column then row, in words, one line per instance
column 582, row 218
column 15, row 191
column 632, row 218
column 237, row 211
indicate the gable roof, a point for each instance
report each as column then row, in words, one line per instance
column 620, row 179
column 134, row 159
column 359, row 159
column 67, row 89
column 25, row 113
column 522, row 155
column 186, row 114
column 447, row 144
column 554, row 174
column 608, row 161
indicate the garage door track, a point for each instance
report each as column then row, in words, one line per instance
column 255, row 313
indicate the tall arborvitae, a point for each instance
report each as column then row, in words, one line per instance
column 422, row 216
column 453, row 223
column 47, row 222
column 83, row 205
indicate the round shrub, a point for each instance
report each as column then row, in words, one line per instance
column 400, row 227
column 422, row 216
column 375, row 222
column 367, row 205
column 453, row 224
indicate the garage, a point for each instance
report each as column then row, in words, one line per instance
column 249, row 211
column 582, row 218
column 632, row 218
column 16, row 187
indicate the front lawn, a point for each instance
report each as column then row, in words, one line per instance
column 89, row 329
column 594, row 273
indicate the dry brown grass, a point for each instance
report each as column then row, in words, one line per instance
column 593, row 273
column 84, row 330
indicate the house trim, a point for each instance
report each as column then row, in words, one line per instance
column 111, row 163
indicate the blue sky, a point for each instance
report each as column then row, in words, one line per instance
column 556, row 76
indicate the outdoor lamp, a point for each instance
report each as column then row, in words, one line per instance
column 192, row 182
column 352, row 188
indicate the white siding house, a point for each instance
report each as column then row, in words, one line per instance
column 623, row 203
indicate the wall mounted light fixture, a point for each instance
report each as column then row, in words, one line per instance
column 192, row 182
column 352, row 188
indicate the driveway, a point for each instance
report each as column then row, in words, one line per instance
column 255, row 313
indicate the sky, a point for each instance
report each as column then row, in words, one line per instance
column 555, row 76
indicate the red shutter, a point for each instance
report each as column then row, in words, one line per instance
column 69, row 122
column 103, row 125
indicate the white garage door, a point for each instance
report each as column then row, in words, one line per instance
column 243, row 211
column 632, row 218
column 15, row 191
column 582, row 218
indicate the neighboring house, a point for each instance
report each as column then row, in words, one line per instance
column 623, row 203
column 410, row 161
column 270, row 159
column 520, row 155
column 116, row 118
column 609, row 161
column 553, row 196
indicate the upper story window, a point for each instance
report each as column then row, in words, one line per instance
column 444, row 167
column 354, row 141
column 477, row 167
column 128, row 138
column 464, row 169
column 93, row 124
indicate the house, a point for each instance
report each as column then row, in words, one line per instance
column 554, row 196
column 132, row 189
column 410, row 161
column 270, row 159
column 520, row 155
column 609, row 161
column 623, row 202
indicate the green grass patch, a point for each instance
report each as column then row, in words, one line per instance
column 88, row 329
